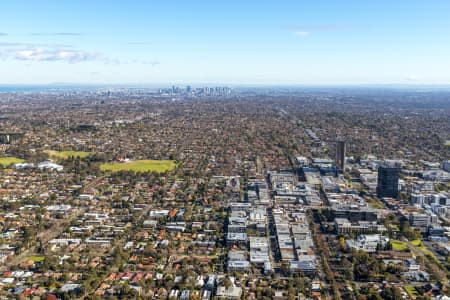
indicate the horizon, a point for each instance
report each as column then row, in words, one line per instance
column 232, row 84
column 283, row 43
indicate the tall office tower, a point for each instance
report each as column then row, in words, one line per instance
column 340, row 155
column 388, row 181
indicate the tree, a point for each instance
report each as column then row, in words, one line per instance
column 227, row 282
column 392, row 293
column 364, row 265
column 388, row 246
column 342, row 244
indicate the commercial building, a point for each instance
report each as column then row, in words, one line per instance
column 344, row 226
column 446, row 165
column 419, row 220
column 354, row 213
column 388, row 181
column 436, row 230
column 306, row 264
column 340, row 155
column 367, row 242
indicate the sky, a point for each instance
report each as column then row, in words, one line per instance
column 268, row 42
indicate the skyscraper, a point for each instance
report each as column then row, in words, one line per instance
column 340, row 155
column 388, row 181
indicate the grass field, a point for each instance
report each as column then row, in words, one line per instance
column 398, row 245
column 417, row 243
column 421, row 246
column 67, row 154
column 159, row 166
column 375, row 204
column 411, row 291
column 6, row 161
column 36, row 258
column 395, row 227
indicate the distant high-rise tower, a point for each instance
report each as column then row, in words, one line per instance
column 388, row 181
column 340, row 155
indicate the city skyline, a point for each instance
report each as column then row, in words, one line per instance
column 264, row 42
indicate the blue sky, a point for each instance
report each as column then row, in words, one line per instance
column 230, row 42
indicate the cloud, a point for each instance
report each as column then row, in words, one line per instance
column 31, row 45
column 414, row 77
column 301, row 33
column 146, row 62
column 306, row 30
column 57, row 33
column 67, row 55
column 309, row 28
column 47, row 52
column 30, row 52
column 49, row 34
column 139, row 43
column 152, row 63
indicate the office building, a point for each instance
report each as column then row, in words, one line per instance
column 354, row 213
column 419, row 220
column 388, row 181
column 340, row 155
